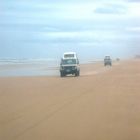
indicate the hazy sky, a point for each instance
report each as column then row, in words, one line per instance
column 47, row 28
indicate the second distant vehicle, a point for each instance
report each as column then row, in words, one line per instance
column 107, row 61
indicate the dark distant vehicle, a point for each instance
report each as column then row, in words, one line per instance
column 107, row 61
column 117, row 59
column 69, row 66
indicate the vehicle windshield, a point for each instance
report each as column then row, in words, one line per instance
column 69, row 61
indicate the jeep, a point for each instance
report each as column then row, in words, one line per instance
column 69, row 66
column 107, row 61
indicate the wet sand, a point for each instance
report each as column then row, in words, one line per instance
column 102, row 104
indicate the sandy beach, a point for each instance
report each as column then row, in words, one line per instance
column 103, row 103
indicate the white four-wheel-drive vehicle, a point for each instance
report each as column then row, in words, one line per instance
column 69, row 65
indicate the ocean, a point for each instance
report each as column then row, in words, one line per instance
column 29, row 67
column 32, row 67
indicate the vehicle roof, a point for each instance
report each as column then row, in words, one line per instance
column 107, row 56
column 69, row 53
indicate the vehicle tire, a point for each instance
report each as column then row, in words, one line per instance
column 77, row 73
column 61, row 74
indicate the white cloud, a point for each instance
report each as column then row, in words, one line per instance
column 133, row 29
column 134, row 10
